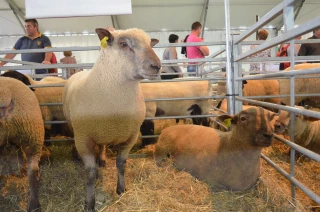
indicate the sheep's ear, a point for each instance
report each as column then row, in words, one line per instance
column 227, row 120
column 104, row 33
column 154, row 42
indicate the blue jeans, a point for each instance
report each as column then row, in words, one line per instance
column 192, row 69
column 41, row 71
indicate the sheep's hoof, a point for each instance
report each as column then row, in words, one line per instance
column 120, row 191
column 89, row 206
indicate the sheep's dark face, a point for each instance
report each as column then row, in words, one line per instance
column 18, row 76
column 257, row 122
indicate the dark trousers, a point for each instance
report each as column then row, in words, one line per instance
column 167, row 77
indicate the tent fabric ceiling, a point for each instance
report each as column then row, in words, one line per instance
column 159, row 15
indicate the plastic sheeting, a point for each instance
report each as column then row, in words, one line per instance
column 76, row 8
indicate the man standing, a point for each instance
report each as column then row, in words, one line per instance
column 194, row 52
column 311, row 49
column 32, row 40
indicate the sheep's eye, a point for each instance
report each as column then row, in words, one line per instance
column 243, row 119
column 123, row 44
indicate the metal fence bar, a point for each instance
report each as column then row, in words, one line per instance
column 293, row 180
column 304, row 151
column 179, row 117
column 281, row 59
column 289, row 35
column 281, row 107
column 282, row 73
column 275, row 12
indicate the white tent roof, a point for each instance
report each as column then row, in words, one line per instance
column 158, row 15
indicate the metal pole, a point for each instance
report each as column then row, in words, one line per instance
column 229, row 76
column 19, row 20
column 288, row 16
column 205, row 17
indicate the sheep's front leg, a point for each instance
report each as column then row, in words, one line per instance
column 33, row 178
column 122, row 156
column 86, row 151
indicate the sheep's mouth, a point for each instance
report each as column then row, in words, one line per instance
column 149, row 76
column 264, row 141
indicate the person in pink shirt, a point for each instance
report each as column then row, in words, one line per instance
column 194, row 52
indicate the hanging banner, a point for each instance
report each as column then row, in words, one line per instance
column 76, row 8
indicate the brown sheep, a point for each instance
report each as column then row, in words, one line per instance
column 225, row 160
column 302, row 86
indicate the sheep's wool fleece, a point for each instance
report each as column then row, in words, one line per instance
column 24, row 125
column 302, row 86
column 106, row 104
column 176, row 90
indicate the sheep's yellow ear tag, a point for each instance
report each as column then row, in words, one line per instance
column 103, row 42
column 227, row 122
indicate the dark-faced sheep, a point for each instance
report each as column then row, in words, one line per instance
column 105, row 105
column 225, row 160
column 21, row 124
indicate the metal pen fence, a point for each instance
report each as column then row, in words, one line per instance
column 234, row 78
column 232, row 62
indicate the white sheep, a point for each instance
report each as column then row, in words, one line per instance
column 105, row 105
column 178, row 107
column 21, row 124
column 302, row 86
column 306, row 132
column 225, row 160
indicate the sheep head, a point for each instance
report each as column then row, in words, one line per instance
column 134, row 49
column 254, row 124
column 283, row 122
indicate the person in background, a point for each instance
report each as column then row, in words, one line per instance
column 194, row 52
column 311, row 49
column 170, row 53
column 53, row 61
column 69, row 60
column 262, row 35
column 296, row 47
column 32, row 40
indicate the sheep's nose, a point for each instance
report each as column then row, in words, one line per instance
column 156, row 67
column 277, row 127
column 268, row 136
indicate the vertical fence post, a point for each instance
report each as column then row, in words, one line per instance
column 288, row 17
column 229, row 74
column 237, row 67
